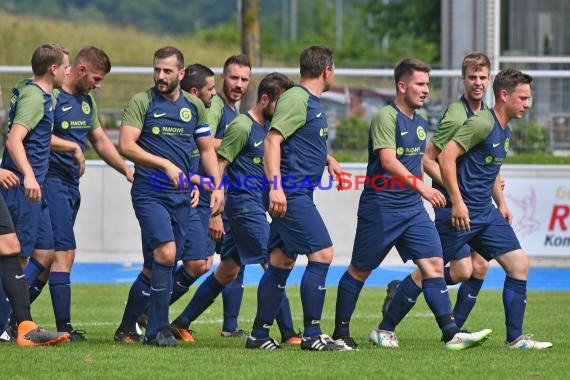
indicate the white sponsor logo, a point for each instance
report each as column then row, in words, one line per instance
column 65, row 109
column 322, row 287
column 319, row 114
column 403, row 133
column 159, row 114
column 146, row 294
column 19, row 276
column 443, row 291
column 258, row 143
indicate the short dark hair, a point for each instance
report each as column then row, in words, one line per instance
column 509, row 79
column 476, row 61
column 239, row 59
column 169, row 51
column 95, row 56
column 273, row 85
column 46, row 55
column 406, row 67
column 314, row 60
column 195, row 76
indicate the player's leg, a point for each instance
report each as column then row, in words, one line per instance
column 469, row 289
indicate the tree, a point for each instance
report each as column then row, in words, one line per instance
column 250, row 45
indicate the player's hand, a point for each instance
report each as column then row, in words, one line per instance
column 32, row 189
column 173, row 173
column 506, row 214
column 433, row 196
column 194, row 198
column 216, row 228
column 8, row 179
column 217, row 202
column 277, row 203
column 79, row 159
column 130, row 175
column 460, row 216
column 333, row 167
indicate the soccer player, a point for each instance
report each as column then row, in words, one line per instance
column 22, row 207
column 470, row 164
column 199, row 81
column 391, row 213
column 160, row 129
column 235, row 80
column 75, row 121
column 296, row 149
column 241, row 156
column 466, row 266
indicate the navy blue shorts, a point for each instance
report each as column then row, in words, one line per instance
column 26, row 217
column 64, row 201
column 246, row 240
column 204, row 214
column 411, row 231
column 163, row 217
column 6, row 224
column 301, row 231
column 490, row 234
column 195, row 246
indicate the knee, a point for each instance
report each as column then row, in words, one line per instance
column 165, row 253
column 358, row 274
column 324, row 256
column 280, row 260
column 480, row 269
column 196, row 268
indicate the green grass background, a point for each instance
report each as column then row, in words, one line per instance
column 98, row 309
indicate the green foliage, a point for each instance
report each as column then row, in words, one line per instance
column 530, row 137
column 352, row 134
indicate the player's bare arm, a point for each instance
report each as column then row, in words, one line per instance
column 447, row 163
column 430, row 164
column 272, row 166
column 15, row 146
column 209, row 161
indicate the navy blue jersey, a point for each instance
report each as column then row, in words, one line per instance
column 242, row 146
column 301, row 119
column 391, row 129
column 74, row 117
column 486, row 144
column 31, row 107
column 168, row 129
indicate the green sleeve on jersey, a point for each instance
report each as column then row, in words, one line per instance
column 474, row 130
column 135, row 111
column 235, row 137
column 215, row 114
column 95, row 121
column 383, row 129
column 201, row 109
column 452, row 119
column 290, row 112
column 30, row 110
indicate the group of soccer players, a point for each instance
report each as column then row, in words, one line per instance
column 181, row 126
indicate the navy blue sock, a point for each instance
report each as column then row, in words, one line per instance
column 514, row 301
column 5, row 308
column 437, row 298
column 270, row 293
column 313, row 292
column 404, row 300
column 15, row 287
column 202, row 299
column 182, row 282
column 60, row 290
column 284, row 318
column 138, row 301
column 447, row 276
column 160, row 290
column 36, row 289
column 33, row 270
column 466, row 298
column 232, row 296
column 348, row 291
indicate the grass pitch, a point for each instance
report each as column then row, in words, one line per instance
column 98, row 309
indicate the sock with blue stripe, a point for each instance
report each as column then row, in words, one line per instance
column 33, row 270
column 437, row 298
column 182, row 282
column 138, row 301
column 36, row 289
column 232, row 296
column 405, row 298
column 270, row 293
column 202, row 299
column 348, row 292
column 514, row 301
column 466, row 298
column 313, row 292
column 60, row 290
column 160, row 289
